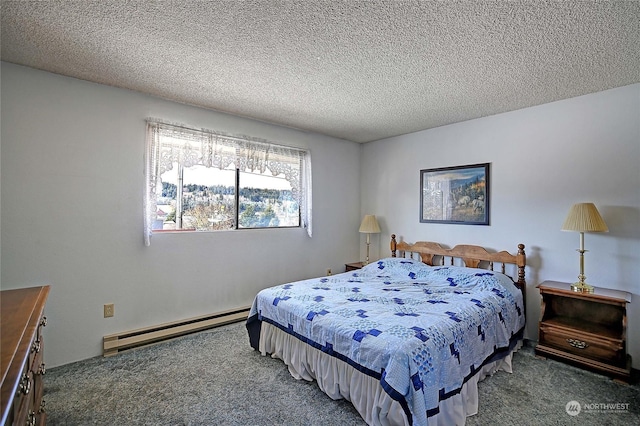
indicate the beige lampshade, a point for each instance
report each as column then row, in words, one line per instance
column 584, row 217
column 369, row 225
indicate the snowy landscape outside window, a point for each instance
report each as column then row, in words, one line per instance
column 201, row 180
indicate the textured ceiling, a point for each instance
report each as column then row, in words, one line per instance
column 351, row 69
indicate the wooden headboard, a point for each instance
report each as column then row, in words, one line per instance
column 472, row 256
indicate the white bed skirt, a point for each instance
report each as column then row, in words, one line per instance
column 340, row 380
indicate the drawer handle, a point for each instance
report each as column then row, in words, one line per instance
column 36, row 346
column 25, row 385
column 578, row 344
column 43, row 405
column 42, row 370
column 43, row 321
column 31, row 421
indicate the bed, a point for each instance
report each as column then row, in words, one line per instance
column 407, row 338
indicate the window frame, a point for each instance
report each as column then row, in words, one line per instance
column 168, row 144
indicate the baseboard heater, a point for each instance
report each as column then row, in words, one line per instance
column 114, row 343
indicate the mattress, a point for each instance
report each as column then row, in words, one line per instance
column 404, row 342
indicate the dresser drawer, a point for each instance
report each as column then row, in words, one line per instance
column 605, row 350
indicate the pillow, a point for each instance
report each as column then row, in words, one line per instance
column 394, row 266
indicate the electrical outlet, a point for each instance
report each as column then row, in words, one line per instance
column 108, row 310
column 328, row 271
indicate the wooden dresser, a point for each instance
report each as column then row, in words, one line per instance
column 588, row 329
column 22, row 366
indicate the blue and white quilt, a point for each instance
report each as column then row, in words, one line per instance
column 421, row 330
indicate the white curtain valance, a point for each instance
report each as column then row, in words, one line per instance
column 168, row 144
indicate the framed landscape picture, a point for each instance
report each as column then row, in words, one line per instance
column 457, row 195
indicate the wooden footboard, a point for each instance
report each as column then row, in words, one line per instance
column 434, row 254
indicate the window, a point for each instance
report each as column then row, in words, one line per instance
column 199, row 180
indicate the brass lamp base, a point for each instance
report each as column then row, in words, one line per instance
column 581, row 287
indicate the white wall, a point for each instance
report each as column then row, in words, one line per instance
column 72, row 184
column 72, row 188
column 543, row 159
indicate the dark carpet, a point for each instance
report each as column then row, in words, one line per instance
column 215, row 378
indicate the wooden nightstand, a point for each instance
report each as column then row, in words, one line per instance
column 587, row 329
column 353, row 266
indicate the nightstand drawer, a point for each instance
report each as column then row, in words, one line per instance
column 606, row 350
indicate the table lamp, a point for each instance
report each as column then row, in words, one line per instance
column 583, row 217
column 369, row 226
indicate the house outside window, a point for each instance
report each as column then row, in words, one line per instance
column 201, row 180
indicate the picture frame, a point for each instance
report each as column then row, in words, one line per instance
column 456, row 195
